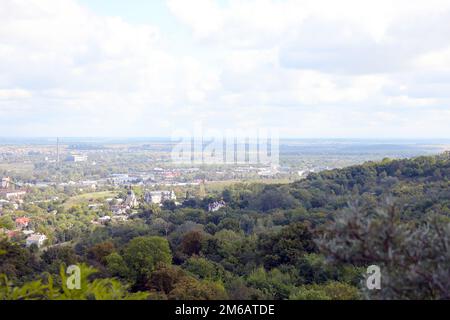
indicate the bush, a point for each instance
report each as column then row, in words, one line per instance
column 330, row 291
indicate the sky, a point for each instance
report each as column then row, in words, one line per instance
column 139, row 68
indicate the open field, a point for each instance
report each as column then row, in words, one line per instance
column 86, row 197
column 218, row 186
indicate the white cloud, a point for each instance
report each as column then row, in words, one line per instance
column 314, row 68
column 88, row 74
column 337, row 62
column 14, row 94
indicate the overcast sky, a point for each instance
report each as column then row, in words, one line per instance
column 357, row 69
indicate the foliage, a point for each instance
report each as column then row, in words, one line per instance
column 191, row 244
column 329, row 291
column 189, row 288
column 204, row 269
column 287, row 246
column 311, row 239
column 98, row 289
column 414, row 257
column 100, row 251
column 142, row 254
column 17, row 262
column 116, row 266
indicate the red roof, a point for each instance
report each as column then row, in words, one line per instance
column 12, row 234
column 22, row 220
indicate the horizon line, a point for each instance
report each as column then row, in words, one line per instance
column 169, row 137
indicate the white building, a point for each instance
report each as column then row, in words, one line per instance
column 131, row 200
column 118, row 210
column 12, row 194
column 104, row 219
column 158, row 197
column 77, row 158
column 5, row 182
column 37, row 239
column 216, row 206
column 27, row 232
column 121, row 178
column 89, row 183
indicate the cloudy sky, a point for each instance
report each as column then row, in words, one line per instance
column 361, row 69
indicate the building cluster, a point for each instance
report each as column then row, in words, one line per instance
column 10, row 193
column 23, row 231
column 77, row 158
column 155, row 176
column 121, row 179
column 81, row 185
column 121, row 207
column 159, row 197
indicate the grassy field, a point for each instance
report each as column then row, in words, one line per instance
column 218, row 186
column 87, row 197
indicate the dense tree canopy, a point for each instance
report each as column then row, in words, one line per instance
column 312, row 239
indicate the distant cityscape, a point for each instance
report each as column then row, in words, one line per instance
column 38, row 172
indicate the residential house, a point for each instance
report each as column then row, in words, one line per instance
column 118, row 210
column 131, row 200
column 36, row 239
column 22, row 222
column 5, row 182
column 216, row 206
column 104, row 220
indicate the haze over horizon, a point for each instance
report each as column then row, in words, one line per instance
column 313, row 69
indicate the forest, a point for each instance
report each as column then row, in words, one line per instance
column 308, row 240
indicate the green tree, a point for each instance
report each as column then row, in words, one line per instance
column 116, row 266
column 54, row 257
column 330, row 291
column 189, row 288
column 16, row 262
column 6, row 222
column 142, row 254
column 275, row 283
column 204, row 269
column 98, row 289
column 192, row 243
column 100, row 251
column 288, row 246
column 165, row 277
column 414, row 257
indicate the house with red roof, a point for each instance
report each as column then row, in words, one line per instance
column 22, row 222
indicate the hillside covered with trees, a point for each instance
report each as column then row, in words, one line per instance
column 312, row 239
